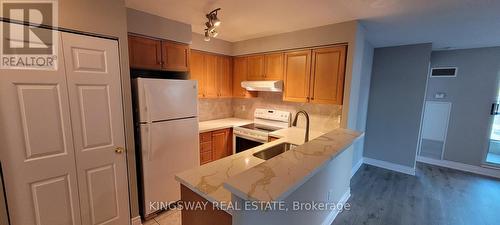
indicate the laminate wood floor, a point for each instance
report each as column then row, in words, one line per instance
column 435, row 195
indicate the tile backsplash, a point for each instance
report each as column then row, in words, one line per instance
column 323, row 117
column 212, row 109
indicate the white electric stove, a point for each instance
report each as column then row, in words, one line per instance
column 257, row 133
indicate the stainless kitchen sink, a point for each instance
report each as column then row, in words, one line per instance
column 273, row 151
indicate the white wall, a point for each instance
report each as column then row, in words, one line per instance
column 397, row 93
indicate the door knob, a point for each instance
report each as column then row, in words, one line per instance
column 119, row 150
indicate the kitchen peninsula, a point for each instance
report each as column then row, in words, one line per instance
column 316, row 171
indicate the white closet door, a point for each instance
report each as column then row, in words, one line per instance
column 93, row 73
column 37, row 153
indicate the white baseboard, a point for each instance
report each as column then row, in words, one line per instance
column 390, row 166
column 356, row 167
column 333, row 214
column 136, row 221
column 461, row 166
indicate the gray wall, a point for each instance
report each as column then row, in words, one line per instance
column 155, row 26
column 471, row 94
column 397, row 93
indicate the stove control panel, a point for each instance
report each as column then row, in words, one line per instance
column 242, row 132
column 270, row 114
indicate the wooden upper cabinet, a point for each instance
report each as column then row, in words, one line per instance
column 156, row 54
column 273, row 69
column 144, row 53
column 224, row 76
column 297, row 76
column 328, row 72
column 221, row 144
column 255, row 67
column 175, row 56
column 214, row 74
column 210, row 76
column 240, row 74
column 197, row 70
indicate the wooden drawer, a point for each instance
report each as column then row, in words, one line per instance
column 205, row 137
column 205, row 146
column 205, row 157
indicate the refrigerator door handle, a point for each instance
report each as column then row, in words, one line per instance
column 150, row 149
column 147, row 101
column 148, row 138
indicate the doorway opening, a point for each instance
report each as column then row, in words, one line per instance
column 493, row 155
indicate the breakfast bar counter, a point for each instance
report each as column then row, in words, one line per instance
column 244, row 177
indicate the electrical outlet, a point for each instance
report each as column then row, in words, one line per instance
column 243, row 108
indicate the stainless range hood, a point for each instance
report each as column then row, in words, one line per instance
column 268, row 85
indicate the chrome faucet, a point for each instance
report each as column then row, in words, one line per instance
column 307, row 122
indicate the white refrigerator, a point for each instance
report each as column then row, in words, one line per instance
column 167, row 114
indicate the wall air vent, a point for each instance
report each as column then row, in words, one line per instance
column 444, row 72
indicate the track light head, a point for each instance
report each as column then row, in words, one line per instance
column 213, row 22
column 207, row 36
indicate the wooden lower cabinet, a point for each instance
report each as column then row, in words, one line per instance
column 221, row 144
column 210, row 215
column 215, row 145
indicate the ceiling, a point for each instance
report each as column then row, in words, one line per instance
column 445, row 23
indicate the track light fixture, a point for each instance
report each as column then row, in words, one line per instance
column 213, row 22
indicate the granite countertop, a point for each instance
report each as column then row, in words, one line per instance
column 295, row 133
column 212, row 125
column 208, row 180
column 276, row 178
